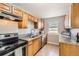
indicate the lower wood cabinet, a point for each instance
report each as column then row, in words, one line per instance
column 33, row 46
column 68, row 49
column 30, row 48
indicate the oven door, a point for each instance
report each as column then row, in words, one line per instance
column 12, row 53
column 21, row 51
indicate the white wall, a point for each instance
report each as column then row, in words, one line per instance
column 8, row 26
column 12, row 27
column 52, row 36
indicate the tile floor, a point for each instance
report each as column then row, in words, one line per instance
column 49, row 50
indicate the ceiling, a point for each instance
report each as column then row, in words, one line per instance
column 45, row 10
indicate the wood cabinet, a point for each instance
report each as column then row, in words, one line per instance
column 35, row 19
column 36, row 25
column 16, row 11
column 75, row 15
column 24, row 22
column 30, row 17
column 39, row 42
column 72, row 17
column 30, row 48
column 68, row 49
column 34, row 46
column 5, row 7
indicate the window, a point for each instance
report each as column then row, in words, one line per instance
column 53, row 26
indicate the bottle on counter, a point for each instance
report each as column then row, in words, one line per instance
column 77, row 37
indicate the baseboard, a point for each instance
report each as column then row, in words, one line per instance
column 53, row 43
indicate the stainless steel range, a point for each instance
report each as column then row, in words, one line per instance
column 10, row 42
column 8, row 38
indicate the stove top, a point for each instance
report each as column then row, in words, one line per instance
column 8, row 46
column 9, row 38
column 5, row 47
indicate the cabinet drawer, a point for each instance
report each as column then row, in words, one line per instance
column 5, row 7
column 17, row 11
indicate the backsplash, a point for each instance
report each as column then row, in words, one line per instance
column 8, row 26
column 74, row 33
column 12, row 27
column 23, row 31
column 28, row 29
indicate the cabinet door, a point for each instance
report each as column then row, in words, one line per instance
column 17, row 11
column 68, row 49
column 34, row 19
column 35, row 46
column 24, row 22
column 63, row 49
column 75, row 15
column 77, row 47
column 5, row 7
column 30, row 48
column 39, row 43
column 31, row 17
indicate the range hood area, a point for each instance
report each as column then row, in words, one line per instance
column 9, row 16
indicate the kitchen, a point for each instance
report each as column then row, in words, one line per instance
column 25, row 31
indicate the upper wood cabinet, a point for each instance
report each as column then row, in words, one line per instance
column 24, row 22
column 30, row 17
column 75, row 15
column 36, row 25
column 40, row 24
column 5, row 7
column 35, row 19
column 16, row 11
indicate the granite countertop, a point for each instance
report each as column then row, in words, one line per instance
column 68, row 40
column 24, row 37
